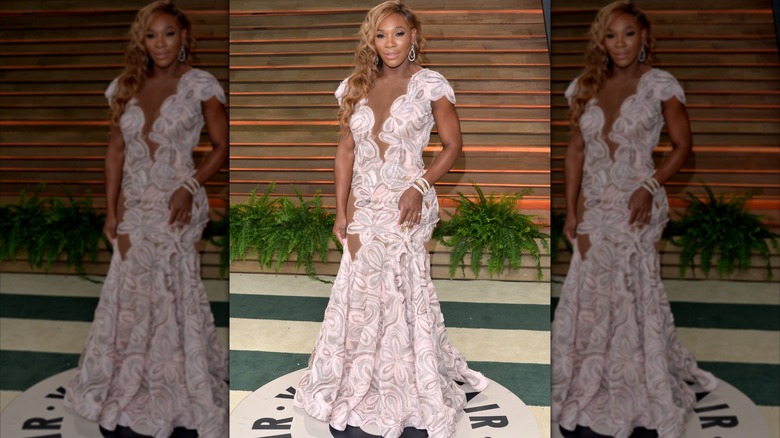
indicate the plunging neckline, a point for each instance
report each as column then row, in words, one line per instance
column 606, row 138
column 144, row 136
column 392, row 104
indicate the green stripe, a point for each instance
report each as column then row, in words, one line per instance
column 250, row 370
column 529, row 381
column 760, row 382
column 20, row 370
column 72, row 308
column 456, row 314
column 722, row 316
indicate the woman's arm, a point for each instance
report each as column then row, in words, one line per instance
column 342, row 172
column 679, row 129
column 115, row 158
column 448, row 126
column 572, row 176
column 216, row 119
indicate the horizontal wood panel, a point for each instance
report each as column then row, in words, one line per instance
column 56, row 60
column 440, row 259
column 725, row 56
column 288, row 58
column 670, row 265
column 209, row 257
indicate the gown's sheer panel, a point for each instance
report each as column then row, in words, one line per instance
column 610, row 101
column 122, row 240
column 353, row 240
column 583, row 239
column 150, row 100
column 380, row 101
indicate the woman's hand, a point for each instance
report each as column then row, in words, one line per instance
column 410, row 208
column 640, row 207
column 570, row 227
column 180, row 206
column 340, row 228
column 109, row 228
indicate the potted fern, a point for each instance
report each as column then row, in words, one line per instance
column 492, row 226
column 274, row 230
column 47, row 229
column 723, row 227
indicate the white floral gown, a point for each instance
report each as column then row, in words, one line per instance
column 616, row 361
column 382, row 355
column 152, row 361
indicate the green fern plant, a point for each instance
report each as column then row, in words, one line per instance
column 277, row 229
column 491, row 223
column 47, row 228
column 723, row 226
column 250, row 224
column 304, row 228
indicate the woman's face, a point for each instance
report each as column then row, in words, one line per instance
column 623, row 40
column 393, row 40
column 163, row 40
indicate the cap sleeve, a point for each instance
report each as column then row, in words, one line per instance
column 666, row 87
column 436, row 86
column 341, row 90
column 206, row 86
column 111, row 90
column 571, row 90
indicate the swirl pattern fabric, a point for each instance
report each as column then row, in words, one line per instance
column 152, row 359
column 616, row 361
column 383, row 355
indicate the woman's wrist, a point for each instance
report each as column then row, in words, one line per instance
column 651, row 185
column 191, row 185
column 421, row 185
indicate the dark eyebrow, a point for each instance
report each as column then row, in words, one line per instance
column 395, row 28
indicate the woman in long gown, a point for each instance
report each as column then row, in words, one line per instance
column 152, row 364
column 382, row 355
column 617, row 364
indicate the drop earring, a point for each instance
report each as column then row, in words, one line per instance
column 412, row 56
column 642, row 54
column 182, row 54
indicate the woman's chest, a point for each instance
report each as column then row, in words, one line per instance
column 636, row 118
column 175, row 112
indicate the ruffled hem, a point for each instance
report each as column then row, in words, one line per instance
column 152, row 360
column 616, row 361
column 383, row 355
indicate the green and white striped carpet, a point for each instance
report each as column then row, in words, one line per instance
column 44, row 320
column 733, row 330
column 503, row 329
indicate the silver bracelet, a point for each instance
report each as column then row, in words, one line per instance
column 651, row 185
column 191, row 185
column 424, row 182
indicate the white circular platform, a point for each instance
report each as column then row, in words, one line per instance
column 38, row 412
column 269, row 412
column 722, row 413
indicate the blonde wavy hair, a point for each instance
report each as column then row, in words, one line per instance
column 598, row 64
column 138, row 64
column 368, row 63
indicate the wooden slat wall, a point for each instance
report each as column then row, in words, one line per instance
column 725, row 56
column 288, row 57
column 56, row 59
